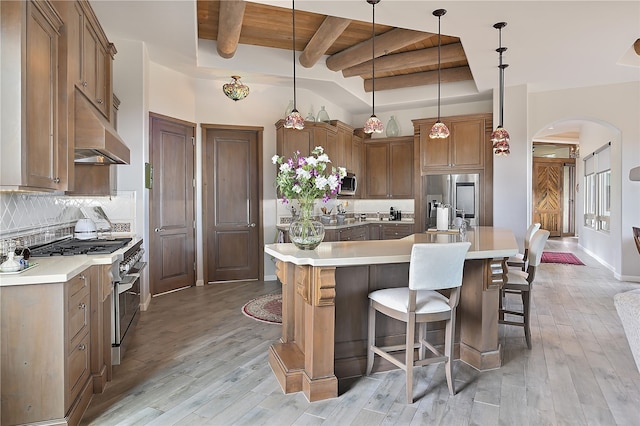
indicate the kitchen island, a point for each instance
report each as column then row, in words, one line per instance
column 325, row 305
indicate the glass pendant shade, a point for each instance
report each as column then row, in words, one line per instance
column 439, row 131
column 235, row 89
column 294, row 120
column 373, row 125
column 500, row 139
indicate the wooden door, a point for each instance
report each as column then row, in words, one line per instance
column 547, row 194
column 231, row 203
column 172, row 221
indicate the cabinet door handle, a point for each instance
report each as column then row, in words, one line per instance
column 100, row 101
column 85, row 84
column 82, row 306
column 56, row 180
column 82, row 347
column 82, row 277
column 251, row 225
column 158, row 230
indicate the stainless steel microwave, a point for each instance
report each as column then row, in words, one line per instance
column 349, row 185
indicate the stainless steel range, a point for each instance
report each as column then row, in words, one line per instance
column 125, row 299
column 72, row 247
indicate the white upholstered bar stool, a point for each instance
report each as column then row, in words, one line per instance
column 520, row 282
column 432, row 267
column 519, row 260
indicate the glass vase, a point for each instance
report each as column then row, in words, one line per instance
column 323, row 115
column 305, row 232
column 392, row 128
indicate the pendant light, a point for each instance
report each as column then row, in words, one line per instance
column 500, row 137
column 373, row 124
column 439, row 129
column 294, row 120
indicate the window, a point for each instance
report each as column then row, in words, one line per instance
column 597, row 189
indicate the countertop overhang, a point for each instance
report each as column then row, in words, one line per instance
column 353, row 223
column 486, row 243
column 57, row 269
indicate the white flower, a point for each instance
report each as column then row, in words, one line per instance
column 319, row 149
column 321, row 182
column 275, row 158
column 303, row 174
column 333, row 181
column 312, row 161
column 297, row 189
column 285, row 167
column 342, row 172
column 324, row 158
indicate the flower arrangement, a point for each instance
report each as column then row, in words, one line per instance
column 307, row 178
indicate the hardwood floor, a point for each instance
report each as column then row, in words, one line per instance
column 197, row 360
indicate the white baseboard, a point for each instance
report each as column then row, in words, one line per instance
column 199, row 283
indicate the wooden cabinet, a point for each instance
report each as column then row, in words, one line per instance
column 389, row 168
column 46, row 347
column 335, row 137
column 390, row 231
column 465, row 148
column 33, row 153
column 354, row 233
column 88, row 54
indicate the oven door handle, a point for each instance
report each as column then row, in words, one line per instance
column 127, row 283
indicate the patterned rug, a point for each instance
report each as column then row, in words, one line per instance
column 267, row 308
column 559, row 257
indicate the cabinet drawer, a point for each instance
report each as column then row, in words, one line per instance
column 78, row 367
column 396, row 230
column 78, row 301
column 358, row 233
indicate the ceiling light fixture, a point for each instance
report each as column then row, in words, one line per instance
column 373, row 124
column 294, row 120
column 500, row 137
column 439, row 129
column 235, row 90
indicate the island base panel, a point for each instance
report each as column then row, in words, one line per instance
column 287, row 363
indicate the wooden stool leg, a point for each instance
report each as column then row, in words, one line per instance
column 526, row 301
column 371, row 340
column 450, row 327
column 410, row 343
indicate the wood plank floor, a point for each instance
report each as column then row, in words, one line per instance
column 197, row 360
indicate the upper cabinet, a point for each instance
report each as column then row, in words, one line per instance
column 465, row 148
column 389, row 167
column 336, row 138
column 33, row 154
column 88, row 54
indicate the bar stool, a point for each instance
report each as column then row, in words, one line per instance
column 520, row 282
column 432, row 267
column 520, row 259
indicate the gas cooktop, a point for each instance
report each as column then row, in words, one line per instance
column 71, row 247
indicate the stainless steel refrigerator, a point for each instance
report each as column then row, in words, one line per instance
column 460, row 192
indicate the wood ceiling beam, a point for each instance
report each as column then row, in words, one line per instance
column 387, row 42
column 448, row 75
column 230, row 19
column 329, row 31
column 412, row 59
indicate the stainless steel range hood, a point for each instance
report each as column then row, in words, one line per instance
column 96, row 141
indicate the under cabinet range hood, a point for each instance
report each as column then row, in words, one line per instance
column 96, row 141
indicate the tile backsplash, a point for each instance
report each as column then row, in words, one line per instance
column 36, row 218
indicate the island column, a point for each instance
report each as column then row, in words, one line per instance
column 304, row 358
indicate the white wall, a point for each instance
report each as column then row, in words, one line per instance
column 618, row 107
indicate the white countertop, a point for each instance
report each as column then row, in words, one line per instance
column 486, row 243
column 57, row 269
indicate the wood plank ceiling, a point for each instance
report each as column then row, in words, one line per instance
column 405, row 58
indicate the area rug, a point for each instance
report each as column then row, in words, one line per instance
column 267, row 308
column 560, row 257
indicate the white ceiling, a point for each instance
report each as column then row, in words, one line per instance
column 551, row 45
